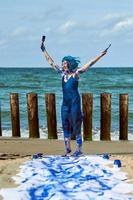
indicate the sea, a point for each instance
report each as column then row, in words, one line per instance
column 46, row 80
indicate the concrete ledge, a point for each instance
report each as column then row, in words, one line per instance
column 25, row 146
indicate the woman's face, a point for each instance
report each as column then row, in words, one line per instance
column 65, row 65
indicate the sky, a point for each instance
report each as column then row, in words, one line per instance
column 72, row 27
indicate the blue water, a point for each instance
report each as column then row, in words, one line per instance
column 46, row 80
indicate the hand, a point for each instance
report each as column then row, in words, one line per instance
column 103, row 53
column 42, row 47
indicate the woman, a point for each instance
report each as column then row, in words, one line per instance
column 71, row 106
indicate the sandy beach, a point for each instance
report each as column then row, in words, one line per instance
column 14, row 152
column 9, row 166
column 127, row 164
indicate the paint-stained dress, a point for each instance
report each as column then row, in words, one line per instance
column 71, row 108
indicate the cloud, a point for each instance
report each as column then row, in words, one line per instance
column 19, row 31
column 117, row 25
column 67, row 26
column 123, row 25
column 47, row 14
column 114, row 16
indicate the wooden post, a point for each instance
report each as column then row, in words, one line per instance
column 51, row 115
column 0, row 122
column 15, row 119
column 123, row 117
column 105, row 116
column 87, row 104
column 33, row 121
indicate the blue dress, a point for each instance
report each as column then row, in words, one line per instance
column 71, row 109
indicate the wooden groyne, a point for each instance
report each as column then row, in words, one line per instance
column 33, row 120
column 87, row 108
column 15, row 118
column 105, row 116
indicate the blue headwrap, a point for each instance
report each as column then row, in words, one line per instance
column 73, row 62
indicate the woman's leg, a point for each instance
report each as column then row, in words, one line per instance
column 65, row 115
column 76, row 116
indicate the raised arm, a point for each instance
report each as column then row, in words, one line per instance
column 90, row 63
column 49, row 59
